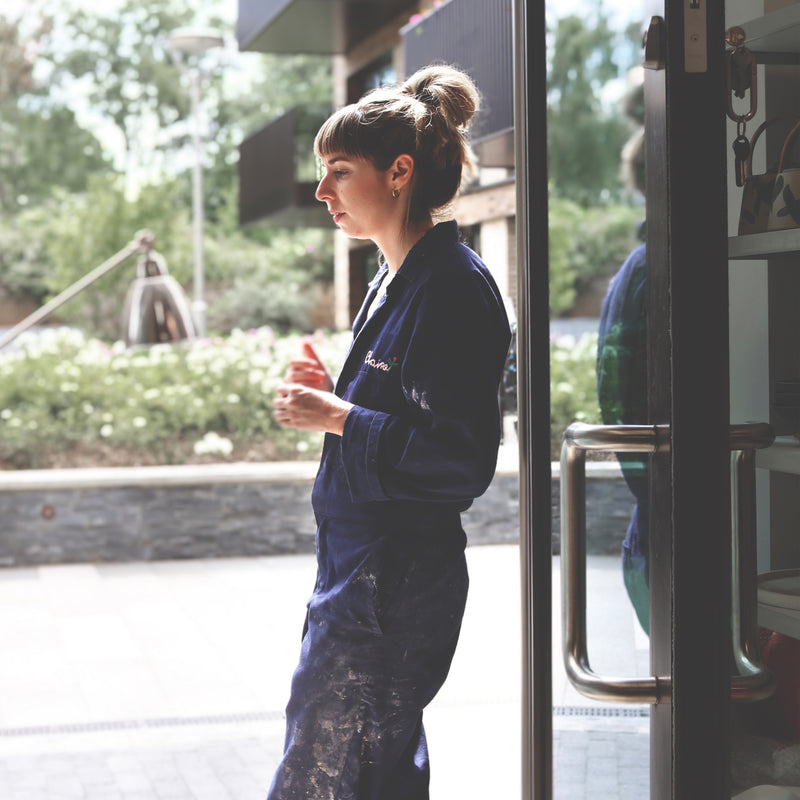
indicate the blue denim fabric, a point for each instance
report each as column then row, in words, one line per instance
column 420, row 444
column 622, row 395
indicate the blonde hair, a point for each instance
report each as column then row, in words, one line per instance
column 426, row 117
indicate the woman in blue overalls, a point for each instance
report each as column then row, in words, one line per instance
column 412, row 431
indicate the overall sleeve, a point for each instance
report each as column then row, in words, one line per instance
column 443, row 447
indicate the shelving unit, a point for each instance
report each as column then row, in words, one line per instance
column 780, row 620
column 774, row 39
column 763, row 245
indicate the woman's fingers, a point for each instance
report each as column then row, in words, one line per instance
column 309, row 370
column 305, row 408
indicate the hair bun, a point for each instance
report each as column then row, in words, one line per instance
column 447, row 91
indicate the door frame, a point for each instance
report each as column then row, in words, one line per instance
column 688, row 376
column 533, row 375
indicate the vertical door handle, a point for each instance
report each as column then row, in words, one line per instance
column 578, row 438
column 752, row 681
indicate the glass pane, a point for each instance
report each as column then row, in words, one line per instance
column 598, row 371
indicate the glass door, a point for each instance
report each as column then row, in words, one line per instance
column 684, row 444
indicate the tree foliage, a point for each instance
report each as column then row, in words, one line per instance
column 123, row 62
column 42, row 145
column 64, row 205
column 586, row 133
column 585, row 243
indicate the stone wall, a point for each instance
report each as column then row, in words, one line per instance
column 155, row 513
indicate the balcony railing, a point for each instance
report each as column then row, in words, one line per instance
column 477, row 37
column 277, row 173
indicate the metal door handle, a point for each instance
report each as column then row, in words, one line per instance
column 753, row 681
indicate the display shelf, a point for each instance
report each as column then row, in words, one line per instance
column 775, row 34
column 782, row 456
column 763, row 245
column 781, row 620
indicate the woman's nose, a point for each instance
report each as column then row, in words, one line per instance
column 322, row 190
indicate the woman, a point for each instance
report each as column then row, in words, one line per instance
column 412, row 431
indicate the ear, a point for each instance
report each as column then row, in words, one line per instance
column 401, row 171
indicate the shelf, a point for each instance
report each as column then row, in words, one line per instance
column 782, row 620
column 763, row 245
column 782, row 456
column 774, row 34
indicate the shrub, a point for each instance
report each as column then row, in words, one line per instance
column 62, row 392
column 585, row 243
column 163, row 404
column 573, row 385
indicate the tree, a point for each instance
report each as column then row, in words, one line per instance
column 134, row 82
column 76, row 210
column 43, row 149
column 124, row 64
column 585, row 137
column 42, row 143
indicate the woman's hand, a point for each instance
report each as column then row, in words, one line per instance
column 309, row 370
column 306, row 409
column 305, row 401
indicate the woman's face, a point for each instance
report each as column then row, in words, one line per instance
column 358, row 196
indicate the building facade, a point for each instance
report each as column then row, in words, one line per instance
column 372, row 44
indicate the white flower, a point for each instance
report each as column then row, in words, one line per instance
column 6, row 413
column 213, row 444
column 106, row 430
column 139, row 422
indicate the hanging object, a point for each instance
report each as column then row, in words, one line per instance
column 156, row 309
column 742, row 83
column 785, row 211
column 757, row 194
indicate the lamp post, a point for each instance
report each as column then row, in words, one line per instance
column 195, row 42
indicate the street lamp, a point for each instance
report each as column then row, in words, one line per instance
column 195, row 42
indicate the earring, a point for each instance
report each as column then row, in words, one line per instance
column 395, row 193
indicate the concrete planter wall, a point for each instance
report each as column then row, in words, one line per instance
column 216, row 511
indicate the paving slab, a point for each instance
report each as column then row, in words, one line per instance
column 166, row 680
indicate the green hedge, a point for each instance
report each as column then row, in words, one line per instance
column 62, row 393
column 573, row 385
column 163, row 404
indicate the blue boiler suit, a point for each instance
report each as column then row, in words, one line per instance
column 419, row 445
column 622, row 394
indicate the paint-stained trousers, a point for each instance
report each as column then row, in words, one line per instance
column 381, row 630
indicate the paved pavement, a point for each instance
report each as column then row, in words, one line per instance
column 167, row 681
